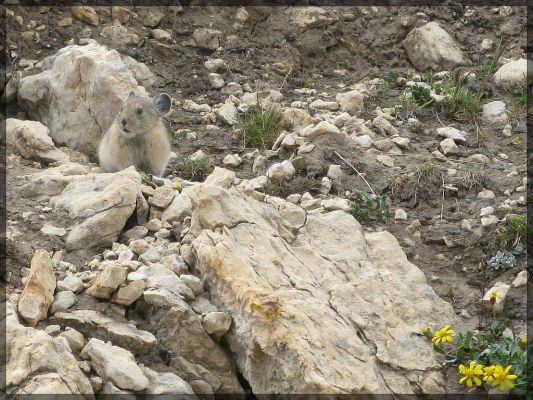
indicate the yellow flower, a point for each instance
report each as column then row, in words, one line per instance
column 489, row 373
column 523, row 343
column 494, row 294
column 470, row 373
column 177, row 186
column 443, row 335
column 502, row 377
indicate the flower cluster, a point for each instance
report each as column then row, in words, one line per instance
column 494, row 374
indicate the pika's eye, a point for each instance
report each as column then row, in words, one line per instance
column 139, row 110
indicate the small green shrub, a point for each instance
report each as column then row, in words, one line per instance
column 460, row 102
column 514, row 231
column 391, row 77
column 196, row 170
column 260, row 127
column 421, row 95
column 364, row 207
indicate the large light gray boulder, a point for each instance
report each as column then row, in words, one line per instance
column 318, row 305
column 430, row 47
column 78, row 94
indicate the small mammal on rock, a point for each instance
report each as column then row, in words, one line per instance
column 138, row 136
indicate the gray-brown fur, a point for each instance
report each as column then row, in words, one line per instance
column 137, row 137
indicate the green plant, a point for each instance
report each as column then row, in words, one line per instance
column 421, row 95
column 459, row 101
column 260, row 127
column 505, row 259
column 144, row 176
column 176, row 135
column 194, row 170
column 364, row 207
column 514, row 231
column 391, row 77
column 489, row 349
column 429, row 77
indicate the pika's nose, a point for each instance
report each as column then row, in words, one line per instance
column 124, row 121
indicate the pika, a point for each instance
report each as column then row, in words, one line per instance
column 138, row 136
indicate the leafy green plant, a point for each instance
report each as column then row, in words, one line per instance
column 490, row 357
column 421, row 95
column 364, row 207
column 514, row 231
column 194, row 170
column 260, row 127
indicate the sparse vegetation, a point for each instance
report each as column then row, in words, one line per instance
column 421, row 95
column 196, row 170
column 391, row 77
column 364, row 207
column 460, row 102
column 260, row 126
column 514, row 231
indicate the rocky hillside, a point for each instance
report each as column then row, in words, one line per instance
column 344, row 183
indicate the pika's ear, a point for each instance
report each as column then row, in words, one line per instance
column 130, row 96
column 162, row 103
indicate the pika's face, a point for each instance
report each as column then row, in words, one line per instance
column 138, row 115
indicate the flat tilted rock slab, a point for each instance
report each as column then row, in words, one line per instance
column 318, row 305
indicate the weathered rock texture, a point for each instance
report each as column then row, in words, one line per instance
column 103, row 202
column 38, row 363
column 38, row 292
column 431, row 47
column 78, row 94
column 318, row 306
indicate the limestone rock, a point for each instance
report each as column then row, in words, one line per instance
column 127, row 294
column 452, row 133
column 103, row 201
column 325, row 269
column 208, row 39
column 119, row 35
column 71, row 282
column 494, row 114
column 32, row 141
column 38, row 292
column 179, row 208
column 162, row 197
column 194, row 354
column 431, row 47
column 96, row 325
column 115, row 364
column 75, row 339
column 297, row 119
column 517, row 71
column 281, row 171
column 216, row 323
column 85, row 14
column 112, row 276
column 351, row 101
column 228, row 113
column 167, row 383
column 62, row 301
column 159, row 277
column 321, row 129
column 53, row 96
column 31, row 352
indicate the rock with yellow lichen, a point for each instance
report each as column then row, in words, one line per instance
column 318, row 305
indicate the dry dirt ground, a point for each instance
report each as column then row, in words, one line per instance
column 345, row 52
